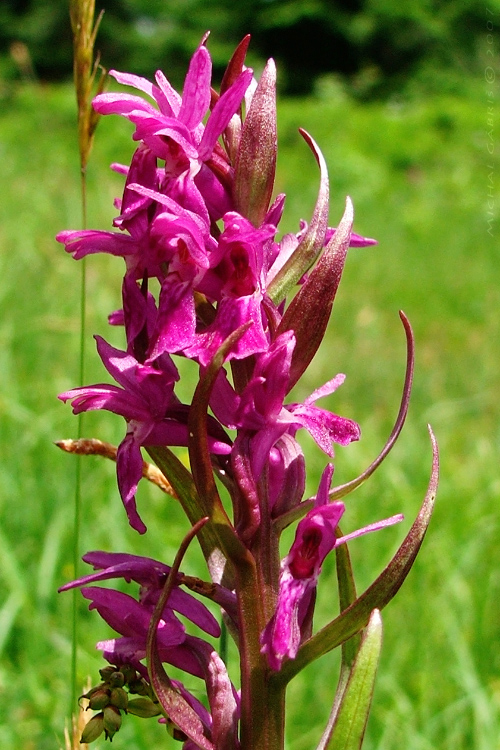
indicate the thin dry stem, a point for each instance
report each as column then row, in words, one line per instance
column 78, row 722
column 95, row 447
column 88, row 73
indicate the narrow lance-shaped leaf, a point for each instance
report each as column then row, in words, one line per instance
column 308, row 313
column 310, row 246
column 199, row 455
column 377, row 595
column 256, row 160
column 344, row 489
column 182, row 482
column 337, row 492
column 347, row 595
column 232, row 133
column 175, row 706
column 345, row 730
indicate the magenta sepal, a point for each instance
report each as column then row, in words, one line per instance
column 151, row 575
column 153, row 413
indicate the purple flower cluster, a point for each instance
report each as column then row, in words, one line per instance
column 206, row 273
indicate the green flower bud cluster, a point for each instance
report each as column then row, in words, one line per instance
column 110, row 698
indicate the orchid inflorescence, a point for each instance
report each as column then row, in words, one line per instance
column 207, row 279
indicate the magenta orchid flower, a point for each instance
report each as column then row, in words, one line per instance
column 260, row 414
column 161, row 233
column 147, row 401
column 174, row 132
column 208, row 279
column 315, row 538
column 131, row 620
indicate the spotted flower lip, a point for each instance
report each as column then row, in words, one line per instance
column 315, row 538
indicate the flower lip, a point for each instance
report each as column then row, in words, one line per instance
column 315, row 538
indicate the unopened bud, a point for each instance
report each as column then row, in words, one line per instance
column 98, row 699
column 139, row 687
column 88, row 695
column 128, row 673
column 112, row 721
column 106, row 672
column 117, row 679
column 256, row 159
column 143, row 707
column 93, row 729
column 118, row 698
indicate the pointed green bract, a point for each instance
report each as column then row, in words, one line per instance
column 347, row 595
column 337, row 492
column 311, row 244
column 349, row 726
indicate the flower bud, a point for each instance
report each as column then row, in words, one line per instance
column 93, row 729
column 138, row 687
column 118, row 698
column 256, row 159
column 99, row 698
column 143, row 707
column 129, row 673
column 106, row 672
column 112, row 721
column 117, row 679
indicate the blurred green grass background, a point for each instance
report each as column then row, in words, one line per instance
column 417, row 170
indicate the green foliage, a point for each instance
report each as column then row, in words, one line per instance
column 376, row 46
column 417, row 171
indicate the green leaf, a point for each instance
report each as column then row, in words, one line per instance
column 347, row 595
column 347, row 727
column 181, row 480
column 144, row 708
column 172, row 702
